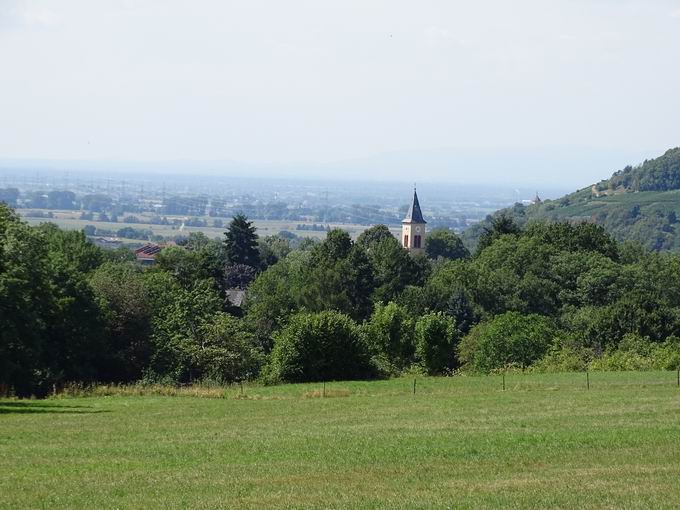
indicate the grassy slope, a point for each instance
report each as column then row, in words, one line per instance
column 647, row 200
column 652, row 226
column 460, row 442
column 584, row 207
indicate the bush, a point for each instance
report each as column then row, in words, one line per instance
column 435, row 342
column 227, row 353
column 389, row 336
column 638, row 353
column 667, row 354
column 563, row 359
column 321, row 346
column 510, row 338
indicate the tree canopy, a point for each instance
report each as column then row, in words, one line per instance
column 541, row 296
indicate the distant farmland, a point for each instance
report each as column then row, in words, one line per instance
column 70, row 220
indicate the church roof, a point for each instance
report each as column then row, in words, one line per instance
column 414, row 214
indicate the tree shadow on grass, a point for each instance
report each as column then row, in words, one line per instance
column 31, row 407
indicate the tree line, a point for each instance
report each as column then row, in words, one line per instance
column 543, row 297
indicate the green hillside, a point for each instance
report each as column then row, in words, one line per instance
column 639, row 204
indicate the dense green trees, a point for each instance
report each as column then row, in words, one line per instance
column 546, row 297
column 127, row 315
column 338, row 277
column 660, row 174
column 446, row 244
column 25, row 305
column 50, row 318
column 371, row 237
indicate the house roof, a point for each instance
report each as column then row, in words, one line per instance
column 148, row 251
column 414, row 214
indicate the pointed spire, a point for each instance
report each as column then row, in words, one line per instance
column 414, row 214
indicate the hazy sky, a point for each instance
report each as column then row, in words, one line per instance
column 324, row 81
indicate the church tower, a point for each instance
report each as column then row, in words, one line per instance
column 413, row 228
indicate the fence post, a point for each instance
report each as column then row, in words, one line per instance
column 323, row 392
column 241, row 388
column 587, row 380
column 414, row 385
column 678, row 376
column 503, row 381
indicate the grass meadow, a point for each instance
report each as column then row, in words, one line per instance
column 547, row 441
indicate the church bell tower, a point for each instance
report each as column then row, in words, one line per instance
column 413, row 228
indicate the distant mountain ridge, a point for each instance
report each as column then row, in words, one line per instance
column 640, row 203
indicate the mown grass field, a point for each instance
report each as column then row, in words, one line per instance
column 460, row 442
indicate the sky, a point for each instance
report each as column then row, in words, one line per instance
column 560, row 91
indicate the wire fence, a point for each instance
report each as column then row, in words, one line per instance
column 418, row 385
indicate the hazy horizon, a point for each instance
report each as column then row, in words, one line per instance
column 527, row 92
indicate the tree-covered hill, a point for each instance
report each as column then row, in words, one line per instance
column 640, row 203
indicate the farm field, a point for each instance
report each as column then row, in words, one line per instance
column 458, row 442
column 70, row 220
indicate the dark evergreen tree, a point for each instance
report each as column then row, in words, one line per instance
column 241, row 242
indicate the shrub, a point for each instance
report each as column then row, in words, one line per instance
column 563, row 359
column 227, row 352
column 435, row 342
column 510, row 338
column 389, row 336
column 638, row 353
column 318, row 347
column 667, row 354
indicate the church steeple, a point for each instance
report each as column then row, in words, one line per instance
column 414, row 214
column 413, row 227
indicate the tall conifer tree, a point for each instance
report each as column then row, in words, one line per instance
column 241, row 242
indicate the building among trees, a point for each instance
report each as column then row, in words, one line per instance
column 413, row 228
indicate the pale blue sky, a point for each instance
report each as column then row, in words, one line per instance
column 327, row 81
